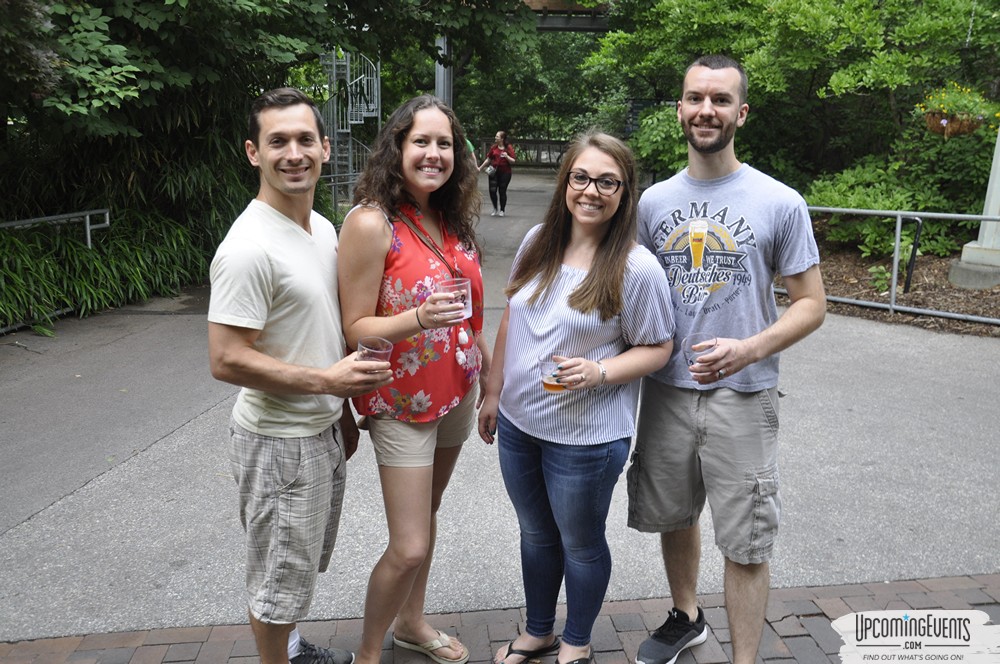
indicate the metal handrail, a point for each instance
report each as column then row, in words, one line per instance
column 66, row 218
column 337, row 180
column 918, row 217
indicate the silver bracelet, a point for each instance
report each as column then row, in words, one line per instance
column 604, row 372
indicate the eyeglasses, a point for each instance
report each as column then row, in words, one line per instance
column 605, row 186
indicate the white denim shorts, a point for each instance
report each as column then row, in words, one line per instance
column 411, row 444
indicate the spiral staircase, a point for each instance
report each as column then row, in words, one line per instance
column 354, row 98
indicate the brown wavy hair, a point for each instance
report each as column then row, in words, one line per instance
column 601, row 289
column 382, row 182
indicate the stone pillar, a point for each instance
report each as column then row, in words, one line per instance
column 979, row 266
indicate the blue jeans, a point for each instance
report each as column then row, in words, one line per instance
column 562, row 494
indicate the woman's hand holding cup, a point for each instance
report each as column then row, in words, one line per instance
column 456, row 291
column 440, row 310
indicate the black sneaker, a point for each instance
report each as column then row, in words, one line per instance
column 310, row 654
column 674, row 636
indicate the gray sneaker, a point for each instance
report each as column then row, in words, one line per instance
column 310, row 654
column 674, row 636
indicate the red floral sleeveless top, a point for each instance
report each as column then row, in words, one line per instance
column 434, row 369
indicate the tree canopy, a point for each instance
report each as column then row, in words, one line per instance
column 140, row 105
column 121, row 88
column 830, row 80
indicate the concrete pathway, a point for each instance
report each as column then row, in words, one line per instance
column 119, row 539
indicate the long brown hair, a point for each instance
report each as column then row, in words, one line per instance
column 382, row 181
column 601, row 289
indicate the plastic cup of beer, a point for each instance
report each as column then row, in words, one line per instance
column 374, row 349
column 462, row 292
column 697, row 233
column 705, row 342
column 547, row 365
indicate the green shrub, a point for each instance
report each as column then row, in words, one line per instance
column 924, row 172
column 46, row 270
column 659, row 143
column 31, row 286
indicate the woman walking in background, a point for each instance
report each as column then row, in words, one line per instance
column 499, row 157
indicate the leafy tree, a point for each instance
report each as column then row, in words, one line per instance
column 140, row 82
column 28, row 59
column 541, row 94
column 385, row 28
column 830, row 80
column 140, row 106
column 659, row 143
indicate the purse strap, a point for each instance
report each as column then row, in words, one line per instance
column 420, row 233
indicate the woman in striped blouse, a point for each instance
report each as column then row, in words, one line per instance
column 580, row 283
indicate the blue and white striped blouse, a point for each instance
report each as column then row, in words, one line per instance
column 581, row 417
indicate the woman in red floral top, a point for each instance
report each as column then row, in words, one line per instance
column 410, row 228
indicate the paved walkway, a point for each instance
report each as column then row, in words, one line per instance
column 119, row 540
column 798, row 629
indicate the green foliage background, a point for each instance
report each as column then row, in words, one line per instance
column 139, row 106
column 833, row 88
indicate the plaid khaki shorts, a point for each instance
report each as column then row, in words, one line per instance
column 290, row 491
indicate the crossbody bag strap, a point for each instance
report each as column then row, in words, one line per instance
column 427, row 242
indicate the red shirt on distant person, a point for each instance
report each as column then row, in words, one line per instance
column 496, row 160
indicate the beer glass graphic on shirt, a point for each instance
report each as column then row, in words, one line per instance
column 697, row 234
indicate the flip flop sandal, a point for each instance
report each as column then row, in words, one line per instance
column 589, row 659
column 442, row 641
column 550, row 649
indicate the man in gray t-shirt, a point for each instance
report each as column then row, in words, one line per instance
column 708, row 425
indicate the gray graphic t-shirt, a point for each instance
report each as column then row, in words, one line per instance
column 721, row 243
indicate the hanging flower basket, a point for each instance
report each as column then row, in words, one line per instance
column 951, row 125
column 953, row 110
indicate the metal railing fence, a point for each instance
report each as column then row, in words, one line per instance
column 341, row 181
column 918, row 218
column 103, row 214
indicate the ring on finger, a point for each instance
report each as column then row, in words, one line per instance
column 722, row 373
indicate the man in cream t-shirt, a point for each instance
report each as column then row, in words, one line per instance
column 274, row 329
